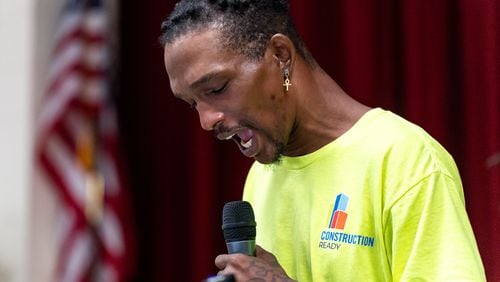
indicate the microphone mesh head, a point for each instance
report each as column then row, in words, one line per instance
column 238, row 221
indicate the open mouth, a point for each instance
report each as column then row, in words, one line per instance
column 245, row 144
column 244, row 138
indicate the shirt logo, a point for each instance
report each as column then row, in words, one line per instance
column 338, row 216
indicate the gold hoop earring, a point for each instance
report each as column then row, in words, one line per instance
column 287, row 80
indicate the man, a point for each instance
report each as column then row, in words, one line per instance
column 341, row 192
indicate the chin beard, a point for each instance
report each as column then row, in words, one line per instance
column 276, row 158
column 278, row 145
column 280, row 150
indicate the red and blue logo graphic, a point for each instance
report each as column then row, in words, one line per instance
column 338, row 216
column 332, row 239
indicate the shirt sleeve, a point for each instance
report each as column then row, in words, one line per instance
column 428, row 234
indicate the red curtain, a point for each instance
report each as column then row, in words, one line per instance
column 437, row 63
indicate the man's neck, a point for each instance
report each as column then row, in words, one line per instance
column 324, row 112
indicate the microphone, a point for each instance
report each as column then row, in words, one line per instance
column 238, row 226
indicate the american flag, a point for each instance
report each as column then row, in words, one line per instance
column 77, row 150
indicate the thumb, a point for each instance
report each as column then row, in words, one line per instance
column 259, row 251
column 265, row 255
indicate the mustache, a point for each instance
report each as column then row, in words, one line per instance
column 220, row 129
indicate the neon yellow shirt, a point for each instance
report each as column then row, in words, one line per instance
column 383, row 202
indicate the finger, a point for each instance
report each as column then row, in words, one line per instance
column 229, row 270
column 226, row 271
column 265, row 255
column 221, row 261
column 259, row 251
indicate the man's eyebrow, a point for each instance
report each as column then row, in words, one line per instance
column 202, row 80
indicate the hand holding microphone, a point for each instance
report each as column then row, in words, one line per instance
column 245, row 260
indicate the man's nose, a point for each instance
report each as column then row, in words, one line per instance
column 209, row 116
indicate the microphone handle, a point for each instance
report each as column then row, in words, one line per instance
column 246, row 247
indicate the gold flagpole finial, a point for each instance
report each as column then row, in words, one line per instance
column 94, row 181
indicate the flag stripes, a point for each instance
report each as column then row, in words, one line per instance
column 77, row 146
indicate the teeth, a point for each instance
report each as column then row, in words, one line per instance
column 246, row 145
column 230, row 136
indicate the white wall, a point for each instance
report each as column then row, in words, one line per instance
column 16, row 88
column 26, row 210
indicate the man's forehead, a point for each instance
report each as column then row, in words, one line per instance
column 193, row 60
column 191, row 46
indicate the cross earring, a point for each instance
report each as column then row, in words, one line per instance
column 287, row 80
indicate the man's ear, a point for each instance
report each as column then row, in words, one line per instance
column 283, row 50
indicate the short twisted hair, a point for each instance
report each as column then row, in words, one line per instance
column 246, row 25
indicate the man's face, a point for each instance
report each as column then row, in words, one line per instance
column 238, row 98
